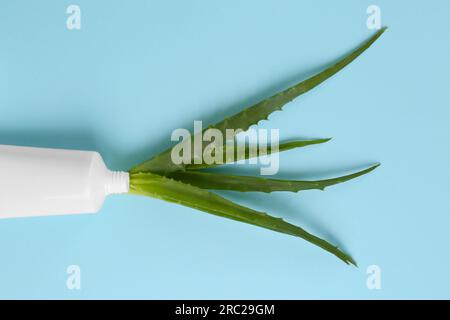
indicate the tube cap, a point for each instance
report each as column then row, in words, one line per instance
column 117, row 182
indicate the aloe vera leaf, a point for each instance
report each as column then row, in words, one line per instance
column 162, row 163
column 208, row 180
column 152, row 185
column 260, row 111
column 231, row 156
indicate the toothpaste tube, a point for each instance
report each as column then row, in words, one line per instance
column 42, row 182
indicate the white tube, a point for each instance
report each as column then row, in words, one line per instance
column 41, row 182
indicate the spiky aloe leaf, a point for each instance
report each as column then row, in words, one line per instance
column 260, row 111
column 162, row 163
column 161, row 187
column 208, row 180
column 231, row 155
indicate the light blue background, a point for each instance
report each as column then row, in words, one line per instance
column 139, row 69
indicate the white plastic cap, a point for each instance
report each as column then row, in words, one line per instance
column 117, row 182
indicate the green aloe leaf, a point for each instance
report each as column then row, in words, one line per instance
column 260, row 111
column 162, row 163
column 208, row 180
column 232, row 155
column 152, row 185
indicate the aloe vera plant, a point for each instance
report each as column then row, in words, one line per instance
column 188, row 185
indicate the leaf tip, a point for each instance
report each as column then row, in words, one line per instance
column 352, row 262
column 380, row 32
column 326, row 139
